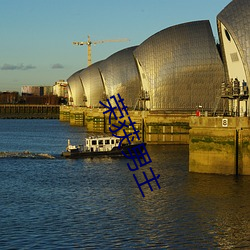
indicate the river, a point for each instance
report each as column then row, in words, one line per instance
column 48, row 202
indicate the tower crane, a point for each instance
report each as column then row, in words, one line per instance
column 89, row 43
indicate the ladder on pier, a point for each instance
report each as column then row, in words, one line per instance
column 217, row 101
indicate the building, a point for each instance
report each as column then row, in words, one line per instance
column 60, row 89
column 38, row 95
column 175, row 70
column 37, row 90
column 178, row 69
column 9, row 97
column 116, row 74
column 234, row 33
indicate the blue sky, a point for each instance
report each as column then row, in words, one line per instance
column 36, row 35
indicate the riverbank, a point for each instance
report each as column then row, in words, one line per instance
column 25, row 111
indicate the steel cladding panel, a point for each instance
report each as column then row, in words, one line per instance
column 120, row 75
column 236, row 18
column 182, row 66
column 93, row 85
column 76, row 89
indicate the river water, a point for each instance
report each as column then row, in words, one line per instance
column 53, row 203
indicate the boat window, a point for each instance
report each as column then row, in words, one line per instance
column 100, row 142
column 94, row 142
column 107, row 142
column 117, row 141
column 87, row 142
column 112, row 141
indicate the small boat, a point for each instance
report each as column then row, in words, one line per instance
column 101, row 146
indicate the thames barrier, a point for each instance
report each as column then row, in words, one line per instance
column 218, row 145
column 174, row 75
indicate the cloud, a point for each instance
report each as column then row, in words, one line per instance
column 57, row 66
column 29, row 67
column 7, row 66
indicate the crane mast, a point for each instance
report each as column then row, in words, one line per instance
column 89, row 43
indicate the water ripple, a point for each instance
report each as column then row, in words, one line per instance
column 26, row 154
column 96, row 204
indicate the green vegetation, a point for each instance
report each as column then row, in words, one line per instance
column 217, row 140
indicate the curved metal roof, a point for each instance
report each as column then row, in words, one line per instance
column 93, row 85
column 76, row 90
column 236, row 18
column 181, row 67
column 120, row 75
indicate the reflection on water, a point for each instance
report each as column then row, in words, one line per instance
column 96, row 204
column 223, row 200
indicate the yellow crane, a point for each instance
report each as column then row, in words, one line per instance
column 89, row 43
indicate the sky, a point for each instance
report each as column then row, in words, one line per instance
column 36, row 35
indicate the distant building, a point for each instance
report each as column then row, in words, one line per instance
column 39, row 95
column 40, row 100
column 37, row 90
column 60, row 89
column 30, row 90
column 9, row 97
column 47, row 90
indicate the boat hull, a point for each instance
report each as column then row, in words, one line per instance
column 115, row 152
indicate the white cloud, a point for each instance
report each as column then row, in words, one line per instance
column 57, row 66
column 21, row 66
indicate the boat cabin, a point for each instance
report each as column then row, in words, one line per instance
column 98, row 144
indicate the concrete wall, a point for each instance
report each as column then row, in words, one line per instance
column 64, row 113
column 219, row 145
column 154, row 128
column 167, row 129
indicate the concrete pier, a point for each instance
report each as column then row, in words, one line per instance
column 216, row 145
column 155, row 128
column 219, row 145
column 64, row 113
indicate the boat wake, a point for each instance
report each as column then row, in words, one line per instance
column 26, row 154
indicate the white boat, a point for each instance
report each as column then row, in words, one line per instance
column 99, row 146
